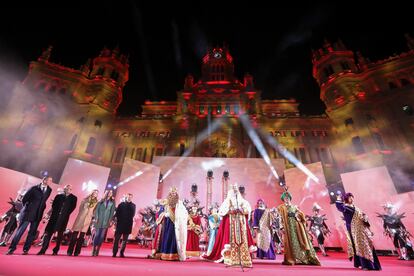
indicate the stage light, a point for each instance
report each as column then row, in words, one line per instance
column 289, row 156
column 408, row 110
column 115, row 187
column 257, row 142
column 44, row 173
column 226, row 174
column 332, row 193
column 200, row 137
column 209, row 173
column 109, row 186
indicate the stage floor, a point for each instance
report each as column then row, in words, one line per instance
column 136, row 262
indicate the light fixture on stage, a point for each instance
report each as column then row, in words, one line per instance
column 282, row 181
column 408, row 110
column 209, row 173
column 226, row 174
column 242, row 190
column 44, row 173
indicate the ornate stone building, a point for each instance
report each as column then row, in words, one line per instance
column 59, row 112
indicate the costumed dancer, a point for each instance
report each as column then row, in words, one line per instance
column 276, row 230
column 171, row 235
column 298, row 248
column 194, row 231
column 318, row 227
column 395, row 229
column 213, row 224
column 11, row 219
column 360, row 236
column 234, row 242
column 262, row 225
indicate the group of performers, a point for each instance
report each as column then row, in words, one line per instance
column 234, row 231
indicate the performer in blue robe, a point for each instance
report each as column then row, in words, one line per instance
column 262, row 223
column 359, row 234
column 171, row 237
column 213, row 222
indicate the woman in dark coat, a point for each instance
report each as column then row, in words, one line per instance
column 62, row 206
column 124, row 215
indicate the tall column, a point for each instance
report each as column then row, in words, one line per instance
column 224, row 185
column 209, row 181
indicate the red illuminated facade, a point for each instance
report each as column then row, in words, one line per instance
column 59, row 112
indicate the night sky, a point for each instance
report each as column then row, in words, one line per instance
column 166, row 41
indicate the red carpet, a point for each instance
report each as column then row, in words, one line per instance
column 334, row 265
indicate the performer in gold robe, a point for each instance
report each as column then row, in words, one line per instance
column 298, row 248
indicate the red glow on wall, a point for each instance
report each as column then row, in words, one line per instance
column 19, row 144
column 217, row 82
column 218, row 90
column 186, row 96
column 42, row 108
column 361, row 95
column 340, row 100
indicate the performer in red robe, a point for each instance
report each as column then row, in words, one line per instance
column 234, row 243
column 193, row 232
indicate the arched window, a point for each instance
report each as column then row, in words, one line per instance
column 100, row 71
column 404, row 82
column 358, row 146
column 182, row 149
column 378, row 139
column 53, row 89
column 41, row 86
column 72, row 142
column 91, row 145
column 392, row 85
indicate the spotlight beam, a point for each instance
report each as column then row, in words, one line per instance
column 257, row 142
column 200, row 137
column 289, row 156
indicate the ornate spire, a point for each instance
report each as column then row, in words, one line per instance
column 46, row 54
column 410, row 41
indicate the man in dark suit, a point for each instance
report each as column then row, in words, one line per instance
column 62, row 206
column 124, row 215
column 34, row 204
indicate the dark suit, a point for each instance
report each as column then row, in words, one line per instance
column 124, row 214
column 34, row 204
column 62, row 206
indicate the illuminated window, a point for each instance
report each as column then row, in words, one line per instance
column 98, row 123
column 227, row 108
column 159, row 152
column 72, row 142
column 404, row 82
column 378, row 139
column 144, row 156
column 91, row 145
column 392, row 85
column 118, row 156
column 408, row 110
column 201, row 109
column 236, row 109
column 345, row 66
column 358, row 146
column 303, row 155
column 100, row 71
column 328, row 71
column 182, row 149
column 348, row 122
column 219, row 109
column 138, row 154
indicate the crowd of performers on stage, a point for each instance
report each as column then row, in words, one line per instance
column 231, row 233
